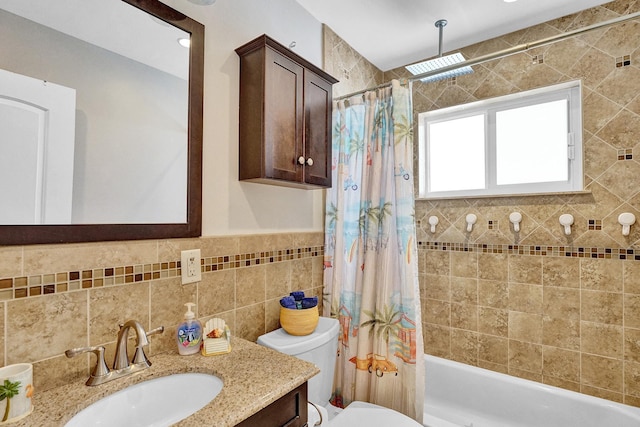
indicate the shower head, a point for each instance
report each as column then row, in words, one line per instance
column 440, row 61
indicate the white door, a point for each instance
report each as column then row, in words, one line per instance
column 37, row 136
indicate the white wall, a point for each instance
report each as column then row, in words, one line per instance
column 229, row 206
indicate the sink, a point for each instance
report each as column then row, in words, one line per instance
column 158, row 402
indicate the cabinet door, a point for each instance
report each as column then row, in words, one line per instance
column 288, row 411
column 283, row 111
column 317, row 101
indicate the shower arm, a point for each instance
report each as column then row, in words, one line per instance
column 440, row 23
column 505, row 52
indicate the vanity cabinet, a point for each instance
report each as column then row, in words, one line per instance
column 290, row 411
column 285, row 117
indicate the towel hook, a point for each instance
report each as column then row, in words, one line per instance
column 566, row 220
column 515, row 219
column 433, row 221
column 626, row 220
column 471, row 219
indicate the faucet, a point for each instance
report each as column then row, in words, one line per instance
column 121, row 366
column 121, row 360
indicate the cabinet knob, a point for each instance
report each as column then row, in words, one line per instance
column 302, row 161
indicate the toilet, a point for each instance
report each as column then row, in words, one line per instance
column 320, row 348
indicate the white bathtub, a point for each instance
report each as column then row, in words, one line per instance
column 459, row 395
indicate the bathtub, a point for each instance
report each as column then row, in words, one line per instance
column 459, row 395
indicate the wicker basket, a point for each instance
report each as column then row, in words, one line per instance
column 299, row 322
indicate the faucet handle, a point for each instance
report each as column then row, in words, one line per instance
column 101, row 369
column 140, row 357
column 156, row 331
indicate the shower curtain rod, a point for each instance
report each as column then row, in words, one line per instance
column 506, row 52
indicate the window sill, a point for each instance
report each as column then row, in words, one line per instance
column 502, row 196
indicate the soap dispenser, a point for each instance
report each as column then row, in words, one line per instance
column 189, row 334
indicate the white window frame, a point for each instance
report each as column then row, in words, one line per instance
column 571, row 91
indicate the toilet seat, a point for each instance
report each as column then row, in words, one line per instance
column 370, row 415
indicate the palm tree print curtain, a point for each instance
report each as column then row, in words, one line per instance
column 371, row 273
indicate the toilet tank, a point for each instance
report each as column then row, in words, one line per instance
column 319, row 348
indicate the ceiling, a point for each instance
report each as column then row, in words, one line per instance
column 392, row 33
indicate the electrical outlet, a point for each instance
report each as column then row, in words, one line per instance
column 190, row 266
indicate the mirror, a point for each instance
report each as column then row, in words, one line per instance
column 135, row 112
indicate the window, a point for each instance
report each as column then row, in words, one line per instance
column 524, row 143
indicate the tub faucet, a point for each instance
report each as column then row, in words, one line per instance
column 121, row 360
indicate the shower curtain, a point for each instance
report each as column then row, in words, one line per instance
column 371, row 273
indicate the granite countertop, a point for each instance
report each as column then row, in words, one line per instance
column 253, row 376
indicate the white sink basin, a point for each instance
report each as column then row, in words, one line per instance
column 157, row 402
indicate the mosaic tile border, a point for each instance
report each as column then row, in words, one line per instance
column 55, row 283
column 540, row 250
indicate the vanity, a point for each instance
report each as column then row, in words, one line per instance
column 258, row 383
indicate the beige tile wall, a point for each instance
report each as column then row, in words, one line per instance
column 515, row 302
column 569, row 321
column 343, row 62
column 244, row 277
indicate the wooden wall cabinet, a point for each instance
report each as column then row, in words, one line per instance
column 285, row 117
column 290, row 411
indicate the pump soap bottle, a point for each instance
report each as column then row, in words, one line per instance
column 189, row 334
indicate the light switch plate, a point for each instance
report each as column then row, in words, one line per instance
column 190, row 266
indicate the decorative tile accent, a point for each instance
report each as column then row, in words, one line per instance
column 623, row 61
column 625, row 154
column 539, row 250
column 537, row 59
column 595, row 224
column 493, row 224
column 50, row 283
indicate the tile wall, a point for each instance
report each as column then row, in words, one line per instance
column 567, row 317
column 55, row 297
column 343, row 62
column 562, row 310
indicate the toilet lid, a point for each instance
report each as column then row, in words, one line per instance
column 370, row 415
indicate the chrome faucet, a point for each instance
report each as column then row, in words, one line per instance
column 121, row 366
